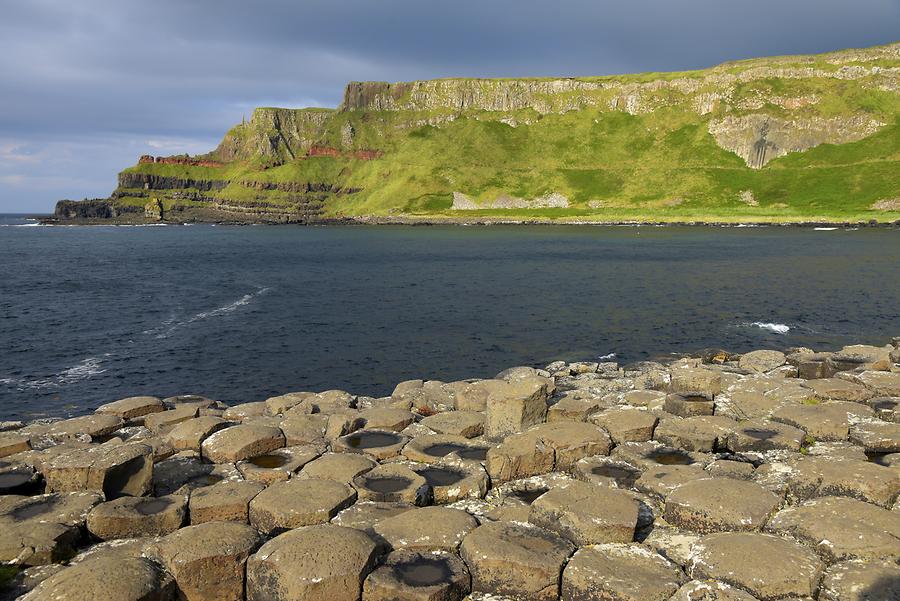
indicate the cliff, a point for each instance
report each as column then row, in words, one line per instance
column 772, row 139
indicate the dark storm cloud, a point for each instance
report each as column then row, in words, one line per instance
column 86, row 86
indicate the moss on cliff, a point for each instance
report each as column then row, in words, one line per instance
column 793, row 138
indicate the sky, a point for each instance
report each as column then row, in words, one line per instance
column 86, row 87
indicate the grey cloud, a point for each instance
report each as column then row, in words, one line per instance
column 87, row 85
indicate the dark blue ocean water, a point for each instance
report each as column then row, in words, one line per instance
column 92, row 314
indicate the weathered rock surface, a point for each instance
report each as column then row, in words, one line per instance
column 131, row 517
column 587, row 514
column 241, row 442
column 769, row 567
column 207, row 560
column 223, row 502
column 840, row 528
column 516, row 560
column 295, row 503
column 133, row 407
column 117, row 470
column 426, row 529
column 621, row 572
column 720, row 504
column 122, row 579
column 414, row 576
column 316, row 563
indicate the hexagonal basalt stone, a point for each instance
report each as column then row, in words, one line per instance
column 762, row 361
column 164, row 421
column 717, row 504
column 876, row 437
column 695, row 382
column 769, row 567
column 426, row 449
column 95, row 426
column 660, row 480
column 365, row 515
column 393, row 483
column 31, row 543
column 626, row 424
column 824, row 421
column 190, row 434
column 426, row 529
column 646, row 455
column 106, row 577
column 223, row 502
column 764, row 435
column 840, row 528
column 279, row 465
column 688, row 406
column 340, row 467
column 619, row 572
column 468, row 424
column 12, row 443
column 377, row 444
column 208, row 560
column 606, row 471
column 317, row 563
column 296, row 503
column 131, row 517
column 586, row 514
column 132, row 407
column 515, row 406
column 453, row 481
column 836, row 389
column 861, row 581
column 117, row 470
column 702, row 433
column 387, row 418
column 241, row 442
column 413, row 576
column 523, row 562
column 544, row 448
column 810, row 477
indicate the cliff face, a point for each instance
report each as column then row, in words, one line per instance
column 800, row 135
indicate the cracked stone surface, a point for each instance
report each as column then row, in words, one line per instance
column 768, row 476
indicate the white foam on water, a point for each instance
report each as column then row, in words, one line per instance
column 778, row 328
column 83, row 370
column 169, row 326
column 824, row 229
column 607, row 356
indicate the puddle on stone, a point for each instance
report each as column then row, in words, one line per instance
column 437, row 476
column 423, row 572
column 268, row 461
column 670, row 458
column 760, row 433
column 440, row 450
column 34, row 509
column 371, row 440
column 620, row 474
column 387, row 484
column 473, row 453
column 152, row 506
column 528, row 496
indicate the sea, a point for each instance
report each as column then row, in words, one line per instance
column 91, row 314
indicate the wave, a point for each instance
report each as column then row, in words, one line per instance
column 824, row 229
column 83, row 370
column 607, row 356
column 171, row 325
column 778, row 328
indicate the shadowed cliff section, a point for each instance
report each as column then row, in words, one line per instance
column 793, row 138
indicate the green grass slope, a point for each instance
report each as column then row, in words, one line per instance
column 647, row 147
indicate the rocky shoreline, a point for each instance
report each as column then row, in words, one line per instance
column 769, row 475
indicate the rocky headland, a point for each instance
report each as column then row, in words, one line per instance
column 767, row 140
column 769, row 475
